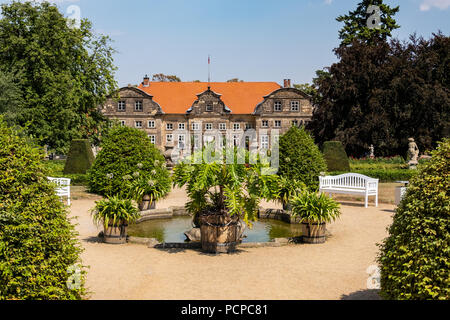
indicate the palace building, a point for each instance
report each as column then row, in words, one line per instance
column 174, row 114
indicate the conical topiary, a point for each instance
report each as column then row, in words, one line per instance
column 80, row 157
column 335, row 156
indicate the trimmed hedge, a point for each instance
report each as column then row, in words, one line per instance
column 38, row 244
column 80, row 157
column 415, row 258
column 390, row 175
column 126, row 154
column 335, row 156
column 55, row 169
column 300, row 158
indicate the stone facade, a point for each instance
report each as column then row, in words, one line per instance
column 209, row 117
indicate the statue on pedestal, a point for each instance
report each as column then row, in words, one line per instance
column 372, row 152
column 413, row 154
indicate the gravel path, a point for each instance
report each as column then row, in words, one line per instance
column 334, row 270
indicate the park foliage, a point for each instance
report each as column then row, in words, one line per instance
column 38, row 243
column 80, row 157
column 414, row 259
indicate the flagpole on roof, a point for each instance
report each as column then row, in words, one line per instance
column 209, row 71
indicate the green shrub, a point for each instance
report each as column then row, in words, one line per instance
column 415, row 258
column 300, row 158
column 37, row 241
column 315, row 208
column 80, row 157
column 335, row 156
column 55, row 168
column 114, row 211
column 126, row 154
column 390, row 175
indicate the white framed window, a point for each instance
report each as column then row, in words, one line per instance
column 138, row 124
column 236, row 126
column 265, row 124
column 151, row 124
column 277, row 123
column 181, row 126
column 195, row 126
column 277, row 106
column 138, row 106
column 265, row 142
column 169, row 126
column 295, row 123
column 122, row 123
column 196, row 139
column 152, row 138
column 295, row 106
column 208, row 126
column 222, row 126
column 121, row 106
column 236, row 140
column 169, row 138
column 209, row 107
column 248, row 126
column 181, row 141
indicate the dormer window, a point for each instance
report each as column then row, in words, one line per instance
column 209, row 107
column 277, row 106
column 121, row 106
column 138, row 106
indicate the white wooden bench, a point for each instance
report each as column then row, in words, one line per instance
column 350, row 183
column 62, row 187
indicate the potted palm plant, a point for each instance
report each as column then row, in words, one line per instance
column 315, row 211
column 222, row 195
column 115, row 214
column 287, row 190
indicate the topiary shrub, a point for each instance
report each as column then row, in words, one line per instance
column 38, row 245
column 415, row 258
column 80, row 157
column 300, row 158
column 126, row 154
column 335, row 156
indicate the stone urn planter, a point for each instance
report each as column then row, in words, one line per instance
column 219, row 233
column 116, row 234
column 313, row 232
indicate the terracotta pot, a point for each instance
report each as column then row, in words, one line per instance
column 116, row 234
column 219, row 233
column 313, row 233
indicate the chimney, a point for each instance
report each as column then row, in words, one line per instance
column 146, row 81
column 287, row 83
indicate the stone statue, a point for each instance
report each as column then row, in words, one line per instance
column 413, row 154
column 168, row 156
column 372, row 152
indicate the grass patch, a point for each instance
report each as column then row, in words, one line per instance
column 56, row 169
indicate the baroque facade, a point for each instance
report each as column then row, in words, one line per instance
column 190, row 114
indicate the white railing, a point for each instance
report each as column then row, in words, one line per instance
column 351, row 183
column 62, row 187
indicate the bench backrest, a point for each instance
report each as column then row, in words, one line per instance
column 349, row 180
column 62, row 185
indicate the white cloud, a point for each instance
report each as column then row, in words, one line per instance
column 328, row 1
column 429, row 4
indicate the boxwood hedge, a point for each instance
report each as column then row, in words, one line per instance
column 38, row 246
column 415, row 258
column 125, row 153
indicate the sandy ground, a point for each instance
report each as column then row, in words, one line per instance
column 334, row 270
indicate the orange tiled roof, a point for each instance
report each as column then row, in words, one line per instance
column 240, row 97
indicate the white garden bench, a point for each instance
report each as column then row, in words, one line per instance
column 350, row 183
column 62, row 187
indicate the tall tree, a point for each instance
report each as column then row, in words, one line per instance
column 160, row 77
column 383, row 93
column 63, row 73
column 10, row 98
column 365, row 24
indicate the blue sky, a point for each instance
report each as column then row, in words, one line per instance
column 253, row 40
